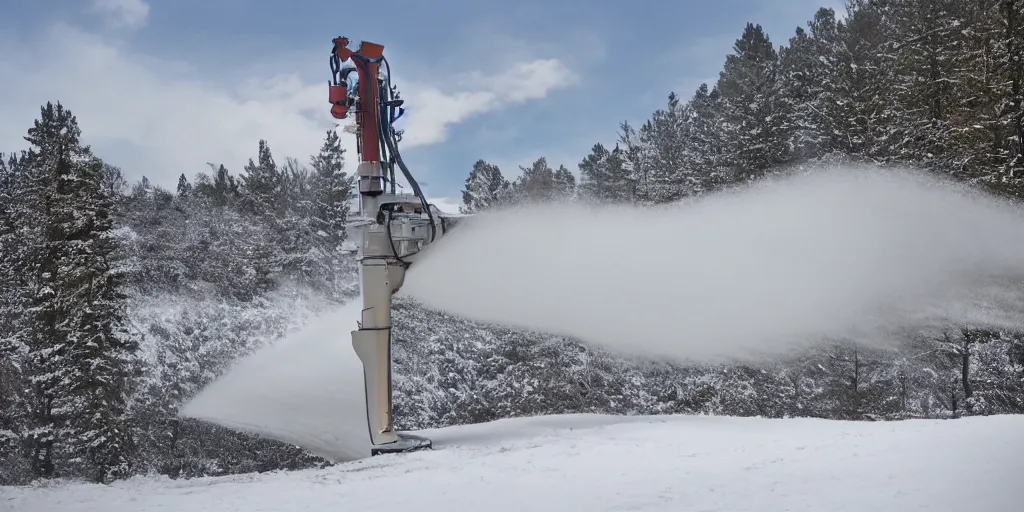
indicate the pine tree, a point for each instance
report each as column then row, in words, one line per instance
column 49, row 173
column 221, row 189
column 326, row 210
column 104, row 347
column 485, row 188
column 636, row 157
column 865, row 117
column 705, row 139
column 1012, row 19
column 13, row 400
column 305, row 252
column 79, row 353
column 8, row 232
column 672, row 173
column 594, row 175
column 537, row 184
column 261, row 186
column 927, row 39
column 755, row 118
column 975, row 139
column 224, row 188
column 603, row 177
column 184, row 187
column 143, row 188
column 1001, row 36
column 332, row 188
column 807, row 72
column 565, row 183
column 594, row 180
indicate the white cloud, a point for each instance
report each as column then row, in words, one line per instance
column 161, row 119
column 432, row 111
column 125, row 13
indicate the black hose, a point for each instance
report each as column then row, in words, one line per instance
column 388, row 92
column 391, row 144
column 393, row 147
column 415, row 186
column 391, row 239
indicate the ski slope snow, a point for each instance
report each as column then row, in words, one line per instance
column 607, row 463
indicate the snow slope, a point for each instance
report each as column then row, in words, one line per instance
column 594, row 463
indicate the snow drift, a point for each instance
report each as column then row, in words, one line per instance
column 596, row 463
column 859, row 254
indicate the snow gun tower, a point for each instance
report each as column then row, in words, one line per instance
column 390, row 229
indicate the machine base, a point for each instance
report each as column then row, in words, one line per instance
column 405, row 443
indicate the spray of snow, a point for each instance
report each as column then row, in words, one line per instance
column 306, row 390
column 857, row 254
column 761, row 272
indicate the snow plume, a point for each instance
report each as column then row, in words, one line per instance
column 857, row 254
column 306, row 390
column 765, row 271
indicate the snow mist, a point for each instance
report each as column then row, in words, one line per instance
column 306, row 390
column 857, row 254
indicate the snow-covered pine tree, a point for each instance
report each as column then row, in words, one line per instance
column 271, row 195
column 184, row 187
column 79, row 352
column 672, row 174
column 755, row 118
column 6, row 237
column 799, row 92
column 636, row 157
column 537, row 184
column 704, row 143
column 305, row 254
column 114, row 185
column 13, row 384
column 46, row 334
column 10, row 245
column 975, row 139
column 1002, row 34
column 970, row 393
column 565, row 183
column 603, row 178
column 999, row 374
column 1010, row 60
column 222, row 189
column 927, row 40
column 103, row 345
column 593, row 173
column 261, row 185
column 807, row 69
column 866, row 119
column 332, row 192
column 485, row 188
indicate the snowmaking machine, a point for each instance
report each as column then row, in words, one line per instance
column 391, row 228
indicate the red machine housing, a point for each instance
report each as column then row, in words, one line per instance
column 367, row 58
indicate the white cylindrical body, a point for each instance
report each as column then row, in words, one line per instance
column 381, row 276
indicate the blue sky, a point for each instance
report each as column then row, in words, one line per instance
column 161, row 88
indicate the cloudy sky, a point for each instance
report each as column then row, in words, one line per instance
column 161, row 88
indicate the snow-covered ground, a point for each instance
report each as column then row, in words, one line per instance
column 592, row 463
